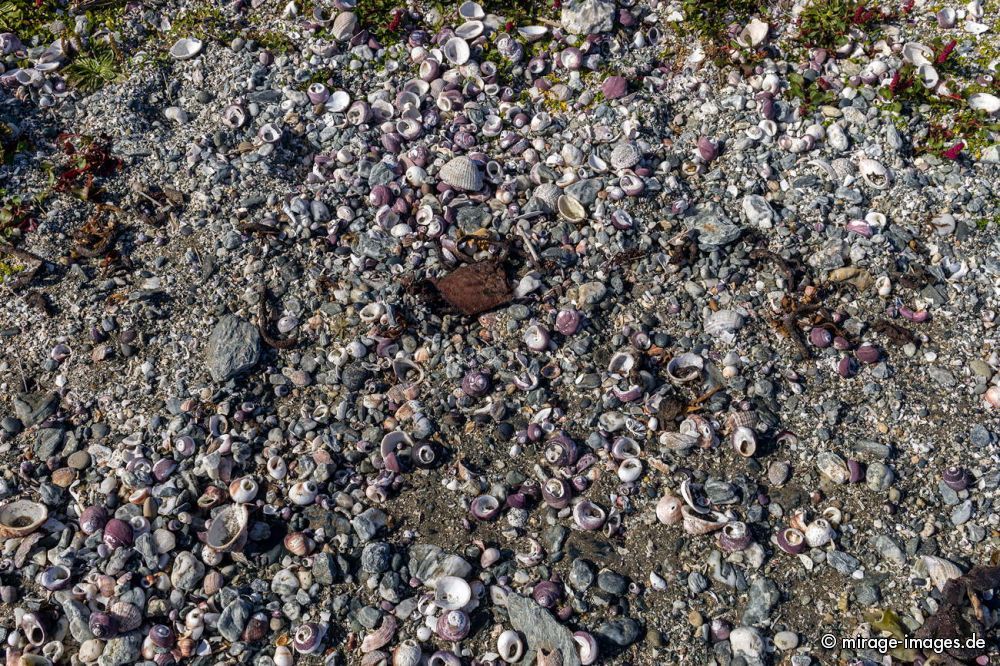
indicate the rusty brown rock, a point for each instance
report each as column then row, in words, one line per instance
column 475, row 288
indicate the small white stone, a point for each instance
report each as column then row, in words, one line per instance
column 786, row 640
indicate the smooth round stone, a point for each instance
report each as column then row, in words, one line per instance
column 78, row 460
column 786, row 640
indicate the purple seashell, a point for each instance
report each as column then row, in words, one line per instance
column 915, row 317
column 847, row 367
column 393, row 463
column 163, row 468
column 476, row 384
column 841, row 343
column 586, row 645
column 102, row 625
column 571, row 58
column 586, row 461
column 444, row 658
column 93, row 519
column 556, row 493
column 546, row 593
column 318, row 93
column 791, row 541
column 580, row 483
column 392, row 142
column 734, row 537
column 535, row 432
column 517, row 501
column 631, row 394
column 307, row 638
column 424, row 455
column 162, row 636
column 560, row 450
column 860, row 227
column 719, row 629
column 568, row 321
column 614, row 87
column 485, row 507
column 587, row 515
column 453, row 625
column 117, row 534
column 708, row 150
column 855, row 471
column 868, row 353
column 820, row 337
column 955, row 478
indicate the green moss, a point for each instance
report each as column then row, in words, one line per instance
column 273, row 41
column 827, row 23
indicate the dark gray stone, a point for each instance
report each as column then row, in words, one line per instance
column 233, row 348
column 541, row 631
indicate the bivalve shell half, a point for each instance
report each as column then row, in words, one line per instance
column 228, row 529
column 707, row 523
column 21, row 518
column 940, row 570
column 186, row 48
column 984, row 102
column 532, row 33
column 462, row 174
column 343, row 26
column 452, row 592
column 570, row 208
column 456, row 51
column 381, row 636
column 469, row 30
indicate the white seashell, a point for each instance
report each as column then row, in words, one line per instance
column 685, row 367
column 754, row 34
column 452, row 593
column 976, row 28
column 456, row 50
column 597, row 164
column 746, row 642
column 234, row 116
column 940, row 571
column 875, row 173
column 532, row 33
column 833, row 467
column 462, row 174
column 836, row 138
column 723, row 323
column 819, row 533
column 984, row 102
column 471, row 11
column 469, row 29
column 668, row 510
column 946, row 18
column 928, row 76
column 343, row 26
column 186, row 48
column 625, row 156
column 510, row 646
column 917, row 53
column 339, row 101
column 570, row 208
column 745, row 442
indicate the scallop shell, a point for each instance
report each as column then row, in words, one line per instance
column 625, row 156
column 456, row 50
column 462, row 174
column 940, row 571
column 21, row 518
column 833, row 467
column 343, row 26
column 186, row 48
column 570, row 208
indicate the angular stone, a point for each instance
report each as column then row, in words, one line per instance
column 233, row 348
column 541, row 631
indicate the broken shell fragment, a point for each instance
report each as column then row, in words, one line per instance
column 21, row 518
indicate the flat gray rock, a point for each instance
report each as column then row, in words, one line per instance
column 541, row 631
column 233, row 348
column 33, row 408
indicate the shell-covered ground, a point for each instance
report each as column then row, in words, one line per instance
column 369, row 332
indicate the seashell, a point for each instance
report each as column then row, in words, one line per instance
column 955, row 478
column 510, row 646
column 588, row 516
column 469, row 29
column 471, row 11
column 946, row 18
column 791, row 540
column 753, row 34
column 489, row 557
column 407, row 653
column 162, row 636
column 708, row 149
column 186, row 48
column 668, row 510
column 462, row 173
column 586, row 647
column 21, row 518
column 548, row 193
column 778, row 472
column 734, row 537
column 283, row 656
column 452, row 593
column 227, row 532
column 270, row 133
column 93, row 519
column 56, row 577
column 127, row 616
column 343, row 26
column 213, row 582
column 317, row 93
column 630, row 470
column 984, row 102
column 339, row 101
column 723, row 324
column 928, row 76
column 243, row 490
column 102, row 625
column 833, row 467
column 699, row 427
column 303, row 493
column 745, row 442
column 456, row 51
column 706, row 523
column 308, row 638
column 556, row 493
column 570, row 208
column 299, row 543
column 685, row 368
column 678, row 441
column 940, row 570
column 917, row 54
column 453, row 625
column 117, row 534
column 532, row 33
column 819, row 533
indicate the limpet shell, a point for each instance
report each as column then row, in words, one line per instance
column 456, row 50
column 228, row 529
column 452, row 592
column 625, row 156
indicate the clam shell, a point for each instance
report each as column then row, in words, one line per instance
column 228, row 529
column 532, row 33
column 343, row 26
column 704, row 523
column 21, row 518
column 456, row 51
column 186, row 48
column 471, row 11
column 452, row 592
column 469, row 30
column 723, row 323
column 833, row 467
column 917, row 53
column 339, row 101
column 548, row 193
column 462, row 174
column 570, row 208
column 685, row 368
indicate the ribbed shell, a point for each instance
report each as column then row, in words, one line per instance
column 548, row 193
column 625, row 156
column 462, row 174
column 343, row 26
column 129, row 616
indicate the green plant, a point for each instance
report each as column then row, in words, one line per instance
column 827, row 23
column 94, row 70
column 810, row 94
